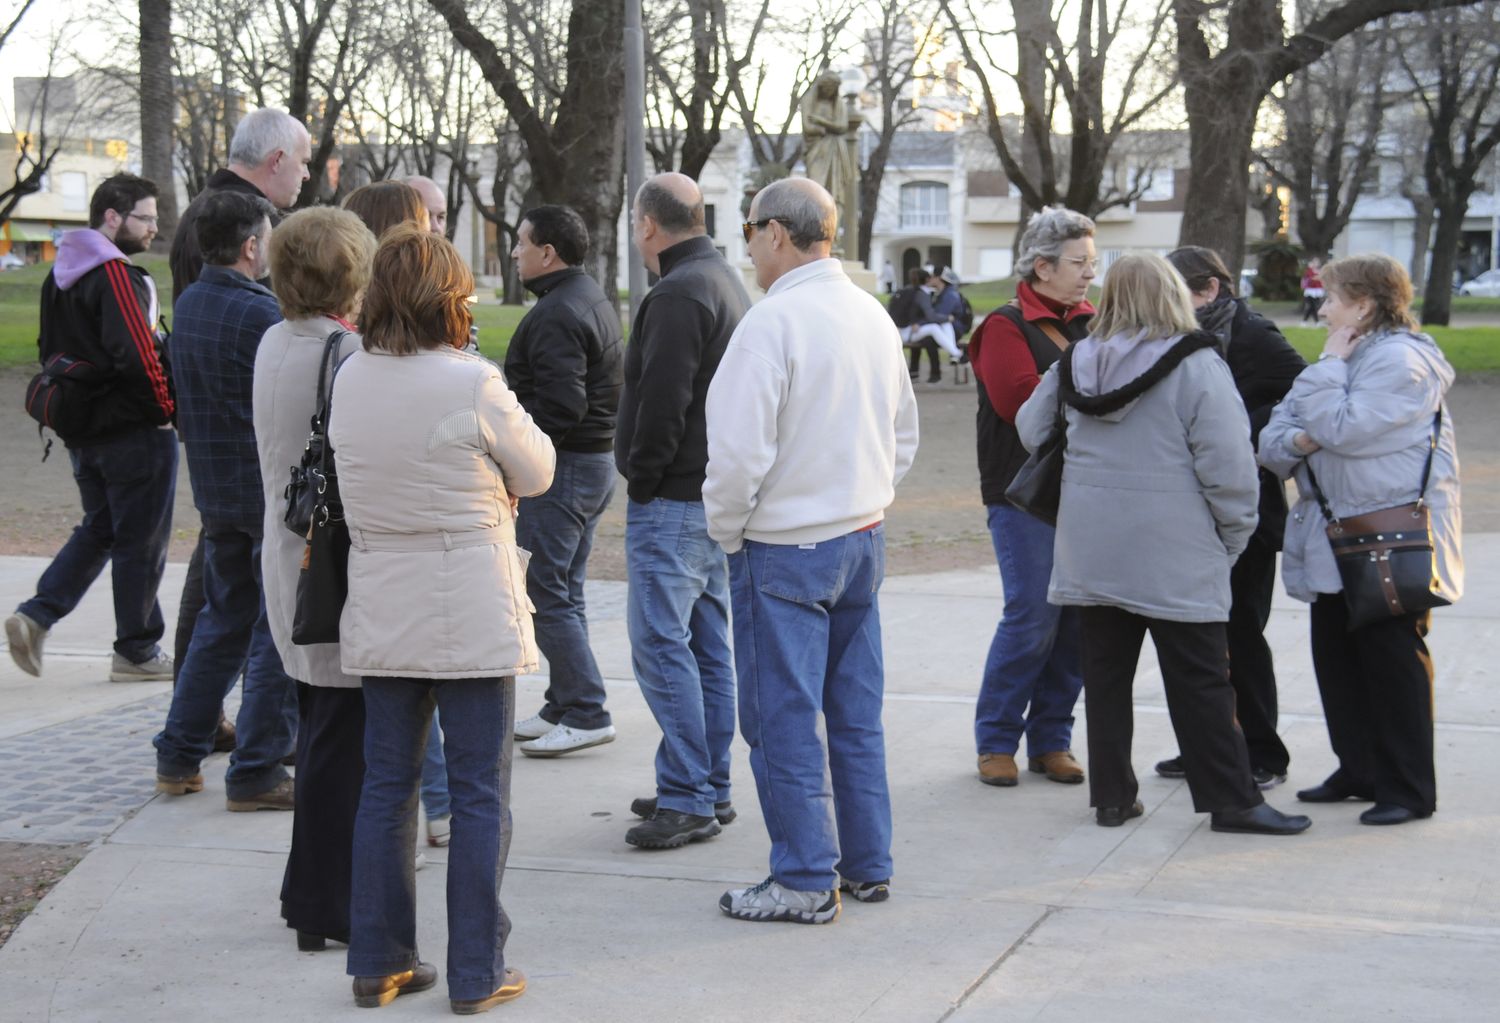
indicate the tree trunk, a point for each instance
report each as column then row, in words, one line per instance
column 1437, row 297
column 158, row 108
column 1221, row 125
column 1421, row 238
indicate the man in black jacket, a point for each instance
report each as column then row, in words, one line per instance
column 1264, row 365
column 678, row 609
column 564, row 366
column 100, row 309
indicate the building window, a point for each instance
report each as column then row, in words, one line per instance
column 924, row 206
column 74, row 187
column 1160, row 183
column 710, row 221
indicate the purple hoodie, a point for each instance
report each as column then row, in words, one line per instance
column 79, row 252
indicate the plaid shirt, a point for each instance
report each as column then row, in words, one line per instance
column 217, row 324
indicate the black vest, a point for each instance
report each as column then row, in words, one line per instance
column 1001, row 453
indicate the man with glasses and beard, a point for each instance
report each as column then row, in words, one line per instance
column 97, row 316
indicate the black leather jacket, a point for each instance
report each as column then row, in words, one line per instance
column 565, row 361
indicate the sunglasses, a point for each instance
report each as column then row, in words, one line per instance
column 749, row 226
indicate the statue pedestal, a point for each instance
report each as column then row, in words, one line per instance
column 863, row 279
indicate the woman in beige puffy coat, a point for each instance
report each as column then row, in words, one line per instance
column 320, row 260
column 432, row 451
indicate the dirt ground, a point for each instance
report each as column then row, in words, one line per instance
column 937, row 522
column 27, row 873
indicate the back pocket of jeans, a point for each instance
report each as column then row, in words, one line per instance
column 806, row 575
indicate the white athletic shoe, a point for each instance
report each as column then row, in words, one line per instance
column 156, row 669
column 532, row 728
column 769, row 901
column 563, row 739
column 25, row 638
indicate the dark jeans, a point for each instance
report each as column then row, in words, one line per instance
column 558, row 529
column 127, row 485
column 478, row 715
column 1376, row 684
column 189, row 607
column 1194, row 668
column 231, row 632
column 1252, row 673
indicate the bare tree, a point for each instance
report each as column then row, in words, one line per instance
column 576, row 155
column 1229, row 55
column 1332, row 115
column 1454, row 67
column 158, row 107
column 1061, row 66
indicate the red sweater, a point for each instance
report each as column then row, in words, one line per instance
column 1002, row 360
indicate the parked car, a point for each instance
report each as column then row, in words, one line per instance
column 10, row 260
column 1486, row 285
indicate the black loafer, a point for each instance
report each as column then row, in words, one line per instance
column 1114, row 816
column 1171, row 768
column 1390, row 813
column 372, row 992
column 1259, row 820
column 1332, row 791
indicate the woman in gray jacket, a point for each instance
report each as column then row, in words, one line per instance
column 1159, row 497
column 432, row 450
column 320, row 261
column 1363, row 418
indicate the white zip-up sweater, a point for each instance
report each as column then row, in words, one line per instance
column 811, row 417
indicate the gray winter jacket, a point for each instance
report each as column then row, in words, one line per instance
column 1372, row 414
column 1159, row 485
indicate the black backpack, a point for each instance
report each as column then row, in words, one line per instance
column 963, row 321
column 63, row 396
column 903, row 307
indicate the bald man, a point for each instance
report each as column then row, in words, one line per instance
column 678, row 610
column 434, row 201
column 811, row 424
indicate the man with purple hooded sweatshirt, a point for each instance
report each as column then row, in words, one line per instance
column 99, row 309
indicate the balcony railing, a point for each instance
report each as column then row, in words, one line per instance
column 924, row 220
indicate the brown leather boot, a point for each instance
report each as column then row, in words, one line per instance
column 372, row 992
column 998, row 769
column 513, row 987
column 1058, row 765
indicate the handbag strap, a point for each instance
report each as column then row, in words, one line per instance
column 328, row 370
column 1432, row 443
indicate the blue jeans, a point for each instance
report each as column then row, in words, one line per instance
column 231, row 633
column 436, row 802
column 478, row 715
column 127, row 485
column 558, row 529
column 807, row 643
column 1034, row 658
column 678, row 618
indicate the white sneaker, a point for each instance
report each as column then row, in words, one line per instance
column 157, row 669
column 438, row 831
column 420, row 862
column 769, row 901
column 563, row 739
column 26, row 638
column 533, row 727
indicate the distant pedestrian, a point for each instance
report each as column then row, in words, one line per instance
column 1312, row 290
column 811, row 424
column 678, row 611
column 564, row 363
column 220, row 320
column 887, row 280
column 99, row 311
column 1031, row 675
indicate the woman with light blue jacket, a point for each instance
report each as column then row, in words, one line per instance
column 1363, row 417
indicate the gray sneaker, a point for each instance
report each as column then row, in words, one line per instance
column 770, row 901
column 156, row 669
column 281, row 797
column 26, row 638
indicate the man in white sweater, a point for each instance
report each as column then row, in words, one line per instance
column 811, row 424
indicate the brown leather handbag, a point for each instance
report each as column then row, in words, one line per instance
column 1385, row 557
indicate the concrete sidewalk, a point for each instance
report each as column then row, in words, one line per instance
column 1008, row 904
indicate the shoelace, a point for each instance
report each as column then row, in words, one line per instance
column 763, row 886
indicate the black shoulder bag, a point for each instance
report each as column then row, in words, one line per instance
column 323, row 583
column 1385, row 557
column 1037, row 486
column 301, row 491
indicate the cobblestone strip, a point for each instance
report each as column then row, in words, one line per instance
column 80, row 780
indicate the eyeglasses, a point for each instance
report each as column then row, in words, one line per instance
column 749, row 226
column 142, row 218
column 1081, row 262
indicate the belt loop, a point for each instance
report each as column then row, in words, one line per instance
column 447, row 540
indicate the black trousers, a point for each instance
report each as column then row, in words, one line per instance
column 1194, row 662
column 330, row 773
column 1376, row 684
column 916, row 349
column 1252, row 673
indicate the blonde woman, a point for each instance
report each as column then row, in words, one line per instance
column 1362, row 417
column 320, row 259
column 1159, row 497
